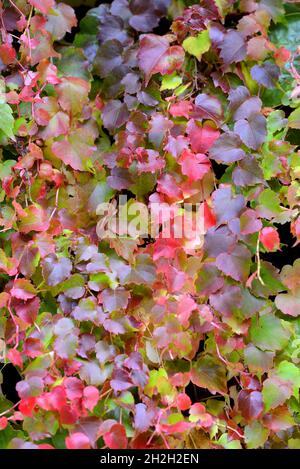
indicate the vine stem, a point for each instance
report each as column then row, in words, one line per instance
column 258, row 261
column 231, row 428
column 16, row 325
column 56, row 205
column 11, row 408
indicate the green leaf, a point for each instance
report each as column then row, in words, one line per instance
column 6, row 120
column 269, row 332
column 275, row 392
column 294, row 119
column 207, row 372
column 197, row 45
column 76, row 281
column 287, row 371
column 294, row 443
column 227, row 443
column 257, row 360
column 255, row 435
column 6, row 436
column 270, row 200
column 287, row 34
column 170, row 82
column 159, row 382
column 6, row 168
column 271, row 164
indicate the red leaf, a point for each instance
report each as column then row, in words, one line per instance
column 7, row 54
column 57, row 398
column 116, row 438
column 269, row 238
column 198, row 413
column 3, row 423
column 68, row 416
column 201, row 138
column 155, row 55
column 250, row 404
column 209, row 216
column 279, row 419
column 179, row 427
column 75, row 150
column 183, row 401
column 73, row 94
column 27, row 405
column 28, row 310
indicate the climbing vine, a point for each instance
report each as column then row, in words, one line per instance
column 153, row 341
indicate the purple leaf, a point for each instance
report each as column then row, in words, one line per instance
column 226, row 205
column 143, row 418
column 146, row 15
column 208, row 107
column 114, row 300
column 253, row 131
column 108, row 57
column 87, row 310
column 235, row 264
column 266, row 74
column 56, row 269
column 105, row 352
column 217, row 240
column 248, row 173
column 227, row 148
column 250, row 404
column 114, row 115
column 242, row 104
column 233, row 48
column 155, row 55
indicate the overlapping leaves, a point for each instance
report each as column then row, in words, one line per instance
column 109, row 336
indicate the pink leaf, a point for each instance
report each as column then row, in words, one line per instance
column 43, row 6
column 23, row 289
column 78, row 440
column 194, row 165
column 90, row 397
column 15, row 357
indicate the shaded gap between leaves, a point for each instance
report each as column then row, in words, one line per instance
column 288, row 254
column 11, row 377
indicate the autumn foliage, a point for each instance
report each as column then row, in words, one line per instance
column 150, row 343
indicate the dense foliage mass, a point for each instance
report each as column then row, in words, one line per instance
column 150, row 343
